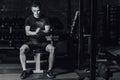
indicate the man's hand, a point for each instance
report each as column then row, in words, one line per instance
column 37, row 30
column 49, row 38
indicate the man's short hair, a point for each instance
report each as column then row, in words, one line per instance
column 36, row 3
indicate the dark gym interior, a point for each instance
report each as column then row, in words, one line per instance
column 85, row 35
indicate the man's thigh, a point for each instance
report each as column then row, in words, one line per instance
column 36, row 44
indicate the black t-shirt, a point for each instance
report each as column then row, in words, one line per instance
column 34, row 23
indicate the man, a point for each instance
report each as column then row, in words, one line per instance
column 36, row 28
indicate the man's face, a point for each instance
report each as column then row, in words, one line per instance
column 36, row 11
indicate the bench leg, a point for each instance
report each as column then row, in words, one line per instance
column 37, row 64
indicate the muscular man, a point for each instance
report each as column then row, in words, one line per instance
column 36, row 28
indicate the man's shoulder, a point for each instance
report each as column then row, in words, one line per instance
column 45, row 18
column 29, row 17
column 42, row 16
column 28, row 20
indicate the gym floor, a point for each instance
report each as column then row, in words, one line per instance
column 13, row 71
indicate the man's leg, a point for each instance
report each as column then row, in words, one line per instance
column 50, row 49
column 23, row 56
column 23, row 60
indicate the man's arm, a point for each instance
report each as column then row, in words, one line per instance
column 44, row 32
column 31, row 33
column 47, row 29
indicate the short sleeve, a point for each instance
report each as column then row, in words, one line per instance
column 27, row 22
column 47, row 21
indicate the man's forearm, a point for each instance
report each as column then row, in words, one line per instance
column 43, row 33
column 33, row 33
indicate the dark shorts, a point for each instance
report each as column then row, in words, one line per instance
column 37, row 45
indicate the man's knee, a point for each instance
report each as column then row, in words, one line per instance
column 50, row 48
column 23, row 48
